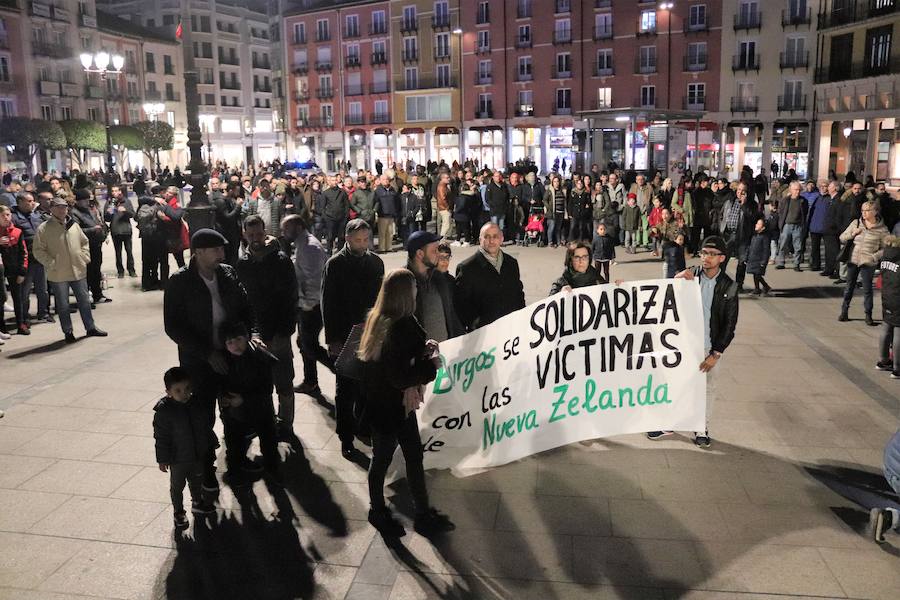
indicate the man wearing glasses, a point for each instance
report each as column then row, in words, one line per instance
column 719, row 295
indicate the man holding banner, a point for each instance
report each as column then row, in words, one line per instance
column 719, row 295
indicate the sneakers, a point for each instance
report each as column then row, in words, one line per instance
column 656, row 435
column 181, row 521
column 382, row 520
column 884, row 365
column 881, row 520
column 23, row 329
column 702, row 441
column 431, row 522
column 895, row 375
column 4, row 335
column 203, row 507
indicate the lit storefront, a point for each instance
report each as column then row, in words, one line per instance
column 790, row 148
column 526, row 144
column 382, row 148
column 486, row 147
column 412, row 147
column 560, row 148
column 446, row 144
column 358, row 149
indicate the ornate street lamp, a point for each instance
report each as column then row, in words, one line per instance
column 105, row 65
column 153, row 110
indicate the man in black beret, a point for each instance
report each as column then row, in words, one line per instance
column 199, row 298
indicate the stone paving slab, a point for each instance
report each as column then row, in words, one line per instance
column 86, row 512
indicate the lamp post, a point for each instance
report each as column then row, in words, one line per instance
column 667, row 7
column 458, row 32
column 248, row 128
column 104, row 65
column 207, row 122
column 153, row 110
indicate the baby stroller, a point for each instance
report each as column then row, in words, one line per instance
column 534, row 229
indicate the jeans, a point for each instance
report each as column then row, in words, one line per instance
column 119, row 242
column 283, row 369
column 15, row 291
column 179, row 474
column 383, row 446
column 334, row 233
column 61, row 295
column 581, row 229
column 890, row 338
column 309, row 326
column 205, row 384
column 815, row 251
column 499, row 222
column 854, row 272
column 94, row 274
column 792, row 232
column 36, row 276
column 893, row 480
column 602, row 267
column 630, row 239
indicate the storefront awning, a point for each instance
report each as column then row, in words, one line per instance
column 445, row 130
column 382, row 131
column 642, row 114
column 407, row 130
column 486, row 128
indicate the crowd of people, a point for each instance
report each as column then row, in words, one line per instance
column 292, row 252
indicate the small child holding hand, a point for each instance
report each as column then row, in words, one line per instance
column 603, row 251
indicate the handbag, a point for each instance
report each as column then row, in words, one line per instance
column 846, row 250
column 348, row 363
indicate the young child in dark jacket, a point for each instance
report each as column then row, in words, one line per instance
column 603, row 251
column 246, row 405
column 184, row 438
column 673, row 255
column 758, row 258
column 890, row 307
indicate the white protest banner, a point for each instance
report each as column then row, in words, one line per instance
column 594, row 362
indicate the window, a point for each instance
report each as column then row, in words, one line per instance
column 352, row 26
column 563, row 64
column 748, row 13
column 524, row 38
column 379, row 24
column 325, row 83
column 604, row 62
column 168, row 20
column 168, row 67
column 484, row 13
column 523, row 9
column 149, row 62
column 204, row 24
column 526, row 103
column 47, row 112
column 443, row 76
column 435, row 107
column 327, row 113
column 379, row 50
column 303, row 113
column 354, row 112
column 134, row 115
column 604, row 97
column 562, row 31
column 410, row 48
column 525, row 72
column 86, row 43
column 563, row 99
column 322, row 31
column 441, row 13
column 485, row 106
column 299, row 33
column 93, row 114
column 747, row 54
column 647, row 58
column 648, row 21
column 648, row 95
column 696, row 56
column 411, row 77
column 209, row 99
column 442, row 45
column 381, row 108
column 7, row 108
column 696, row 96
column 65, row 113
column 484, row 71
column 409, row 18
column 4, row 68
column 603, row 26
column 484, row 40
column 697, row 16
column 793, row 95
column 878, row 50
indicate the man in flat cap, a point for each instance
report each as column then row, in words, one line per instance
column 62, row 247
column 199, row 298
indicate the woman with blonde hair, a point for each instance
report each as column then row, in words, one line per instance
column 399, row 360
column 867, row 236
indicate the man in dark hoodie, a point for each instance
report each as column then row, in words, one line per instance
column 337, row 208
column 119, row 212
column 228, row 207
column 268, row 277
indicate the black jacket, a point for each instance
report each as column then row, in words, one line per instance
column 250, row 376
column 402, row 364
column 119, row 222
column 271, row 288
column 841, row 214
column 443, row 283
column 228, row 216
column 497, row 197
column 580, row 206
column 387, row 202
column 482, row 294
column 187, row 310
column 89, row 225
column 350, row 285
column 724, row 314
column 890, row 281
column 758, row 254
column 182, row 431
column 337, row 204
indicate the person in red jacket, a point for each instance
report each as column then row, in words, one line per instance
column 15, row 263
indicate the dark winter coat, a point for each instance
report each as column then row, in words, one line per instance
column 603, row 247
column 575, row 280
column 758, row 254
column 724, row 314
column 403, row 363
column 187, row 310
column 482, row 294
column 228, row 216
column 631, row 217
column 89, row 225
column 28, row 223
column 119, row 222
column 387, row 202
column 890, row 281
column 580, row 206
column 271, row 288
column 497, row 198
column 350, row 285
column 673, row 255
column 250, row 376
column 337, row 204
column 182, row 431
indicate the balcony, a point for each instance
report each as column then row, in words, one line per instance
column 603, row 69
column 603, row 32
column 846, row 71
column 325, row 93
column 379, row 118
column 562, row 73
column 176, row 97
column 88, row 20
column 485, row 113
column 791, row 19
column 644, row 67
column 51, row 50
column 323, row 36
column 354, row 90
column 73, row 90
column 352, row 62
column 748, row 21
column 854, row 13
column 745, row 63
column 525, row 111
column 319, row 122
column 299, row 39
column 442, row 54
column 520, row 76
column 562, row 110
column 354, row 119
column 425, row 83
column 792, row 103
column 694, row 64
column 148, row 94
column 302, row 96
column 693, row 103
column 379, row 58
column 562, row 7
column 645, row 102
column 482, row 49
column 229, row 60
column 323, row 65
column 351, row 32
column 380, row 88
column 484, row 78
column 641, row 31
column 409, row 26
column 602, row 3
column 562, row 36
column 229, row 85
column 439, row 22
column 701, row 27
column 48, row 88
column 300, row 68
column 523, row 42
column 749, row 104
column 262, row 65
column 262, row 89
column 378, row 28
column 794, row 60
column 96, row 92
column 409, row 55
column 301, row 123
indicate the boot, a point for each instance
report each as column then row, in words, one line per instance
column 870, row 321
column 844, row 316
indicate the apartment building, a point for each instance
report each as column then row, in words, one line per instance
column 857, row 89
column 230, row 48
column 766, row 104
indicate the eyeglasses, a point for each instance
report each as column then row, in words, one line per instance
column 706, row 253
column 580, row 257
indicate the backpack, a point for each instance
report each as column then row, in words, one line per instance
column 147, row 221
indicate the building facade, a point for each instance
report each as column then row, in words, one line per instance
column 857, row 89
column 230, row 47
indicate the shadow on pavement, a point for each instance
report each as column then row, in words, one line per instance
column 37, row 350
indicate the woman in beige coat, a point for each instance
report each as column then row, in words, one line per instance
column 867, row 235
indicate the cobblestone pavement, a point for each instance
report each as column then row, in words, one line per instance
column 763, row 513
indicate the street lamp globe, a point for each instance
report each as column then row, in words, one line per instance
column 457, row 31
column 101, row 60
column 87, row 59
column 118, row 62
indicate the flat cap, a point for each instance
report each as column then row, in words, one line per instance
column 207, row 238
